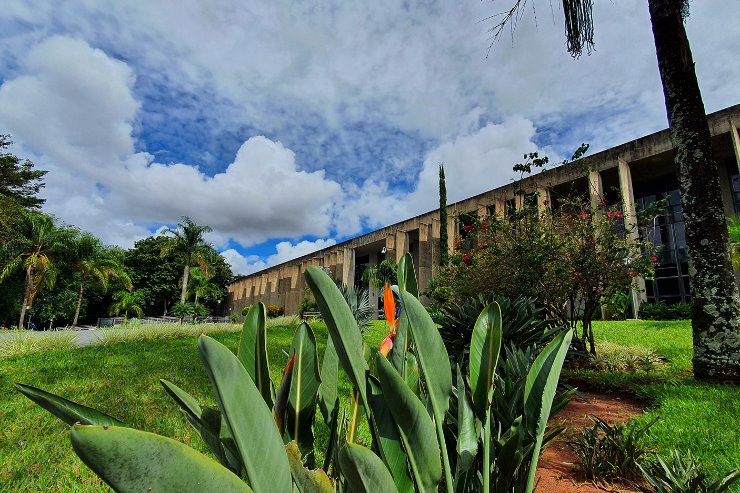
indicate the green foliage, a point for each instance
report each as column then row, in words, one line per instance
column 619, row 304
column 189, row 310
column 615, row 357
column 19, row 182
column 733, row 236
column 245, row 310
column 247, row 430
column 187, row 240
column 444, row 249
column 274, row 311
column 128, row 303
column 522, row 323
column 607, row 452
column 660, row 310
column 154, row 275
column 682, row 475
column 385, row 272
column 358, row 300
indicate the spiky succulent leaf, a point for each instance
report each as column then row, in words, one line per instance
column 68, row 411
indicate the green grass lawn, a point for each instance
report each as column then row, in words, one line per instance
column 123, row 380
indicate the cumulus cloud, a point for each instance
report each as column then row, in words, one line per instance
column 80, row 127
column 284, row 251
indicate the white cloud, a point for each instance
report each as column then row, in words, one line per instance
column 80, row 128
column 284, row 251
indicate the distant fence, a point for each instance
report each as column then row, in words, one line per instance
column 115, row 321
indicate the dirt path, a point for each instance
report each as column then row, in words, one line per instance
column 555, row 472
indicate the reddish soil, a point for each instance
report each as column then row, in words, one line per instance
column 556, row 472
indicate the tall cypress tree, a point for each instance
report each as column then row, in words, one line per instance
column 444, row 253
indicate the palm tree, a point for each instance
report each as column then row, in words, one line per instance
column 715, row 303
column 127, row 302
column 188, row 240
column 36, row 248
column 96, row 263
column 378, row 275
column 201, row 286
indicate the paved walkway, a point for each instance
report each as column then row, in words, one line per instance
column 86, row 335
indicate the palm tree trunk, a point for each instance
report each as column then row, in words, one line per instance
column 83, row 281
column 26, row 295
column 185, row 275
column 715, row 310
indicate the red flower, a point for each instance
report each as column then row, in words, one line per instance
column 584, row 215
column 467, row 258
column 653, row 258
column 467, row 228
column 619, row 214
column 633, row 273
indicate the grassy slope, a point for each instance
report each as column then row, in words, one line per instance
column 123, row 380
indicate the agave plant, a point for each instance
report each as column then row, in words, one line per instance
column 262, row 436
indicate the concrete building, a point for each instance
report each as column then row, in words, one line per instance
column 637, row 173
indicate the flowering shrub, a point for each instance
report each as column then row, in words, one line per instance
column 569, row 260
column 274, row 311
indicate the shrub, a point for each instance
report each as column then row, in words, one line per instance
column 615, row 357
column 274, row 311
column 660, row 310
column 682, row 475
column 522, row 323
column 607, row 452
column 245, row 310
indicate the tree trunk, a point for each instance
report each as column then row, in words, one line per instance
column 185, row 275
column 715, row 313
column 83, row 281
column 26, row 295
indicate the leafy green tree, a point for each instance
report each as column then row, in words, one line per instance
column 154, row 275
column 715, row 302
column 444, row 251
column 38, row 248
column 95, row 263
column 188, row 240
column 19, row 182
column 127, row 302
column 733, row 232
column 202, row 288
column 386, row 272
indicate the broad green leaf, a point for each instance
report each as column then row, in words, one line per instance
column 364, row 471
column 414, row 424
column 401, row 343
column 467, row 438
column 307, row 480
column 328, row 387
column 304, row 388
column 539, row 392
column 206, row 422
column 430, row 353
column 252, row 351
column 283, row 393
column 342, row 327
column 334, row 425
column 66, row 410
column 485, row 346
column 135, row 461
column 389, row 438
column 407, row 275
column 411, row 373
column 248, row 417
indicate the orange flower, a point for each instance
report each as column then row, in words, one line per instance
column 386, row 345
column 389, row 306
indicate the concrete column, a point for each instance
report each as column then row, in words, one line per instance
column 630, row 222
column 735, row 135
column 348, row 267
column 543, row 199
column 499, row 205
column 401, row 245
column 596, row 188
column 519, row 202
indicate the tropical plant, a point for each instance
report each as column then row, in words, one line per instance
column 128, row 303
column 188, row 241
column 37, row 248
column 660, row 310
column 95, row 263
column 522, row 323
column 607, row 452
column 358, row 300
column 444, row 248
column 385, row 272
column 682, row 475
column 19, row 182
column 264, row 436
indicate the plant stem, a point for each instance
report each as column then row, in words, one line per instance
column 487, row 452
column 445, row 459
column 354, row 416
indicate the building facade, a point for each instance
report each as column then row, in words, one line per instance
column 637, row 173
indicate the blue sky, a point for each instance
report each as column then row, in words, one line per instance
column 290, row 126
